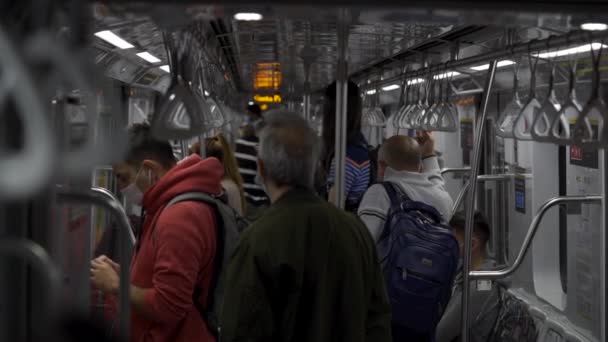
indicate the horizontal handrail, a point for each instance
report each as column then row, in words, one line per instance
column 101, row 197
column 456, row 170
column 480, row 178
column 40, row 260
column 104, row 198
column 504, row 272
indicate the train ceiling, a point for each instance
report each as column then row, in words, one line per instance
column 267, row 55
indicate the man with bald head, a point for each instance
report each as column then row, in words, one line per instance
column 412, row 165
column 305, row 270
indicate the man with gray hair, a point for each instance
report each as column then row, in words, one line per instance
column 412, row 165
column 304, row 271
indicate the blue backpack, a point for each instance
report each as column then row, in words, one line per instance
column 419, row 256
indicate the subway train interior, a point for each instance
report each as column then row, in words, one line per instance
column 513, row 92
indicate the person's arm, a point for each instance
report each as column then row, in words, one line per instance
column 106, row 277
column 185, row 238
column 430, row 162
column 448, row 328
column 373, row 210
column 430, row 167
column 247, row 314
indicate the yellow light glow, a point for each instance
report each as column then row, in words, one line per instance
column 264, row 106
column 267, row 76
column 276, row 98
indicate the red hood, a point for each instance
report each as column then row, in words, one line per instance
column 193, row 174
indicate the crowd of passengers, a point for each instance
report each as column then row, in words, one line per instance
column 304, row 270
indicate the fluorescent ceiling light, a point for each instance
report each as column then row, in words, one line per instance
column 391, row 87
column 487, row 66
column 571, row 51
column 446, row 75
column 371, row 92
column 248, row 16
column 165, row 68
column 113, row 39
column 594, row 27
column 415, row 81
column 148, row 57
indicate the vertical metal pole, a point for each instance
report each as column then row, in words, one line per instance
column 307, row 106
column 604, row 255
column 470, row 207
column 126, row 249
column 203, row 149
column 184, row 146
column 341, row 107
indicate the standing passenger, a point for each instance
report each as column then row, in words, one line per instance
column 305, row 271
column 176, row 246
column 413, row 166
column 232, row 182
column 246, row 156
column 483, row 301
column 358, row 168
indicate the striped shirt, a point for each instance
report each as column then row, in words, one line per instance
column 357, row 171
column 246, row 157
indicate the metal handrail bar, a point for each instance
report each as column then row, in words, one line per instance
column 480, row 178
column 550, row 43
column 457, row 170
column 41, row 261
column 504, row 272
column 104, row 198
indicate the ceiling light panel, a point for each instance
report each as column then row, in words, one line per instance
column 571, row 51
column 148, row 57
column 113, row 39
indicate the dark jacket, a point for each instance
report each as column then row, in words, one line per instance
column 305, row 271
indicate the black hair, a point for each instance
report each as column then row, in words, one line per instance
column 142, row 146
column 255, row 110
column 353, row 117
column 481, row 227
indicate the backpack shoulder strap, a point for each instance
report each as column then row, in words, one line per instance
column 193, row 196
column 214, row 202
column 395, row 193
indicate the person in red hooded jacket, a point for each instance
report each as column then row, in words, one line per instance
column 176, row 245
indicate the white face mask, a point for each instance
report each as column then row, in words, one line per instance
column 132, row 193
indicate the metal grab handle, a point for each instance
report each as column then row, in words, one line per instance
column 502, row 273
column 44, row 49
column 104, row 198
column 26, row 172
column 38, row 258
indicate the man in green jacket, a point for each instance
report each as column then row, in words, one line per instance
column 305, row 271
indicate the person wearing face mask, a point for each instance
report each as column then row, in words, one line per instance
column 175, row 249
column 412, row 165
column 483, row 301
column 305, row 270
